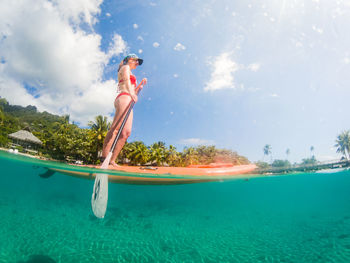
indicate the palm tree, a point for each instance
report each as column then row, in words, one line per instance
column 99, row 130
column 158, row 153
column 139, row 153
column 172, row 156
column 311, row 150
column 100, row 126
column 69, row 141
column 287, row 153
column 190, row 156
column 343, row 144
column 267, row 150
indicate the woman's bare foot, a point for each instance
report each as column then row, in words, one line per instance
column 114, row 164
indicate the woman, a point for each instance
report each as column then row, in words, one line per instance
column 126, row 89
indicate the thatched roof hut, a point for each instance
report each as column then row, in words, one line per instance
column 25, row 136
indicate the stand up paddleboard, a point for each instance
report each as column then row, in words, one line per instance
column 160, row 175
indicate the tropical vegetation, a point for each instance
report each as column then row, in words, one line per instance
column 343, row 144
column 281, row 163
column 66, row 141
column 309, row 161
column 267, row 150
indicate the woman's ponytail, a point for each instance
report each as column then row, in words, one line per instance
column 121, row 64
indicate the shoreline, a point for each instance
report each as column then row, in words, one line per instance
column 28, row 155
column 200, row 169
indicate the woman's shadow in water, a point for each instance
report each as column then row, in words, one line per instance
column 38, row 259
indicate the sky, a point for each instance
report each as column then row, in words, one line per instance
column 235, row 74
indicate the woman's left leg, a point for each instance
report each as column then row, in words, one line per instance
column 122, row 139
column 121, row 105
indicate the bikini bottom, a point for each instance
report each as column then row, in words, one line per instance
column 123, row 93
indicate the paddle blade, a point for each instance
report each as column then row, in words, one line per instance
column 100, row 195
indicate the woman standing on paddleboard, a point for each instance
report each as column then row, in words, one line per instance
column 126, row 89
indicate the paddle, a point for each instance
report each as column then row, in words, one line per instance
column 100, row 191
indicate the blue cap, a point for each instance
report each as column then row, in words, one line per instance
column 126, row 59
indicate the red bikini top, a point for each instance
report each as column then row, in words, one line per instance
column 132, row 80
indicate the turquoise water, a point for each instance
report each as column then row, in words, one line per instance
column 294, row 218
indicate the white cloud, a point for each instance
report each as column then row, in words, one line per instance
column 274, row 95
column 179, row 47
column 44, row 46
column 298, row 44
column 254, row 67
column 140, row 51
column 156, row 44
column 253, row 89
column 222, row 76
column 117, row 46
column 108, row 14
column 100, row 95
column 175, row 75
column 196, row 141
column 14, row 91
column 203, row 11
column 346, row 60
column 77, row 11
column 336, row 12
column 136, row 26
column 317, row 29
